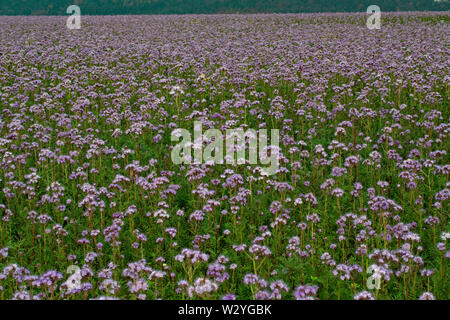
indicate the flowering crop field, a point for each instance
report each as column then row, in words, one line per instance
column 92, row 205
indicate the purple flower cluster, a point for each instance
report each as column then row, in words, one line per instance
column 92, row 206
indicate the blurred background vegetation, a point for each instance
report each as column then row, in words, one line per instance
column 113, row 7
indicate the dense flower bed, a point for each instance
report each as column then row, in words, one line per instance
column 89, row 193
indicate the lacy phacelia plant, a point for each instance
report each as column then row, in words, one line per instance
column 275, row 156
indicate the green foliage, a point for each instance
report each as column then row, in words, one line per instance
column 115, row 7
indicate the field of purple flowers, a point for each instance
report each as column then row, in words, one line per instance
column 92, row 207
